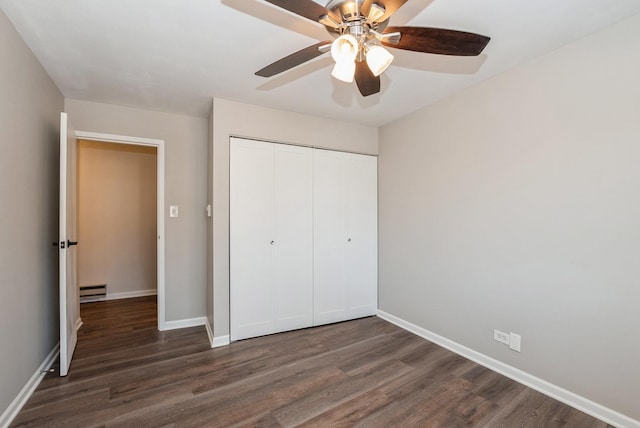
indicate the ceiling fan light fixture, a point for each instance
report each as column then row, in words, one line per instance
column 344, row 70
column 378, row 59
column 344, row 49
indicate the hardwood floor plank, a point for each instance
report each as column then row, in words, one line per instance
column 491, row 385
column 238, row 405
column 366, row 372
column 351, row 411
column 317, row 403
column 421, row 400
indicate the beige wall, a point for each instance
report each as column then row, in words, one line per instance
column 515, row 205
column 185, row 185
column 243, row 120
column 117, row 216
column 30, row 108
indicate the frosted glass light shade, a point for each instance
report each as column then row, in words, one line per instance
column 378, row 59
column 344, row 71
column 344, row 48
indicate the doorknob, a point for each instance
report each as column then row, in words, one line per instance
column 273, row 242
column 70, row 243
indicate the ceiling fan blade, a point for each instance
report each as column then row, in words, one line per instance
column 305, row 8
column 368, row 84
column 390, row 6
column 295, row 59
column 438, row 41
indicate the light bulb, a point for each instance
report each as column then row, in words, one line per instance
column 344, row 48
column 344, row 70
column 378, row 59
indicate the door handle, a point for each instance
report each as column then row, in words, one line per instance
column 70, row 243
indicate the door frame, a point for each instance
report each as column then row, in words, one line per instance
column 160, row 167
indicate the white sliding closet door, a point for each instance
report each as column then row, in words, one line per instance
column 251, row 232
column 293, row 211
column 329, row 237
column 271, row 238
column 345, row 236
column 361, row 263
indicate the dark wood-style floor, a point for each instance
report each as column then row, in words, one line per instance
column 365, row 373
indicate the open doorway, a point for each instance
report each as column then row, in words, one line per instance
column 117, row 194
column 120, row 218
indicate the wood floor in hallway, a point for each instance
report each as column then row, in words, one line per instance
column 365, row 373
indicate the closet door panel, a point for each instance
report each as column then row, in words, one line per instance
column 251, row 232
column 362, row 231
column 293, row 246
column 330, row 286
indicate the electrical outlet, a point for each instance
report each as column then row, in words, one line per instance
column 515, row 340
column 501, row 336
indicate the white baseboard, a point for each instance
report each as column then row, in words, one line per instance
column 118, row 296
column 209, row 332
column 78, row 323
column 190, row 322
column 16, row 405
column 220, row 341
column 583, row 404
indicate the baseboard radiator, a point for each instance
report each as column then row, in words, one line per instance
column 93, row 293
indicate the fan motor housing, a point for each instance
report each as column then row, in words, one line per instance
column 350, row 13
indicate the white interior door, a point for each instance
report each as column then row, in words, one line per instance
column 362, row 235
column 345, row 236
column 330, row 237
column 271, row 233
column 252, row 239
column 69, row 293
column 293, row 247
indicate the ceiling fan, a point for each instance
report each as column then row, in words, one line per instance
column 360, row 29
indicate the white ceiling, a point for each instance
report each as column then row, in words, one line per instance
column 176, row 55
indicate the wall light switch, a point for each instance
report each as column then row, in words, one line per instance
column 173, row 211
column 209, row 210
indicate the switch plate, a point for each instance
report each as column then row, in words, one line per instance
column 173, row 211
column 515, row 340
column 501, row 336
